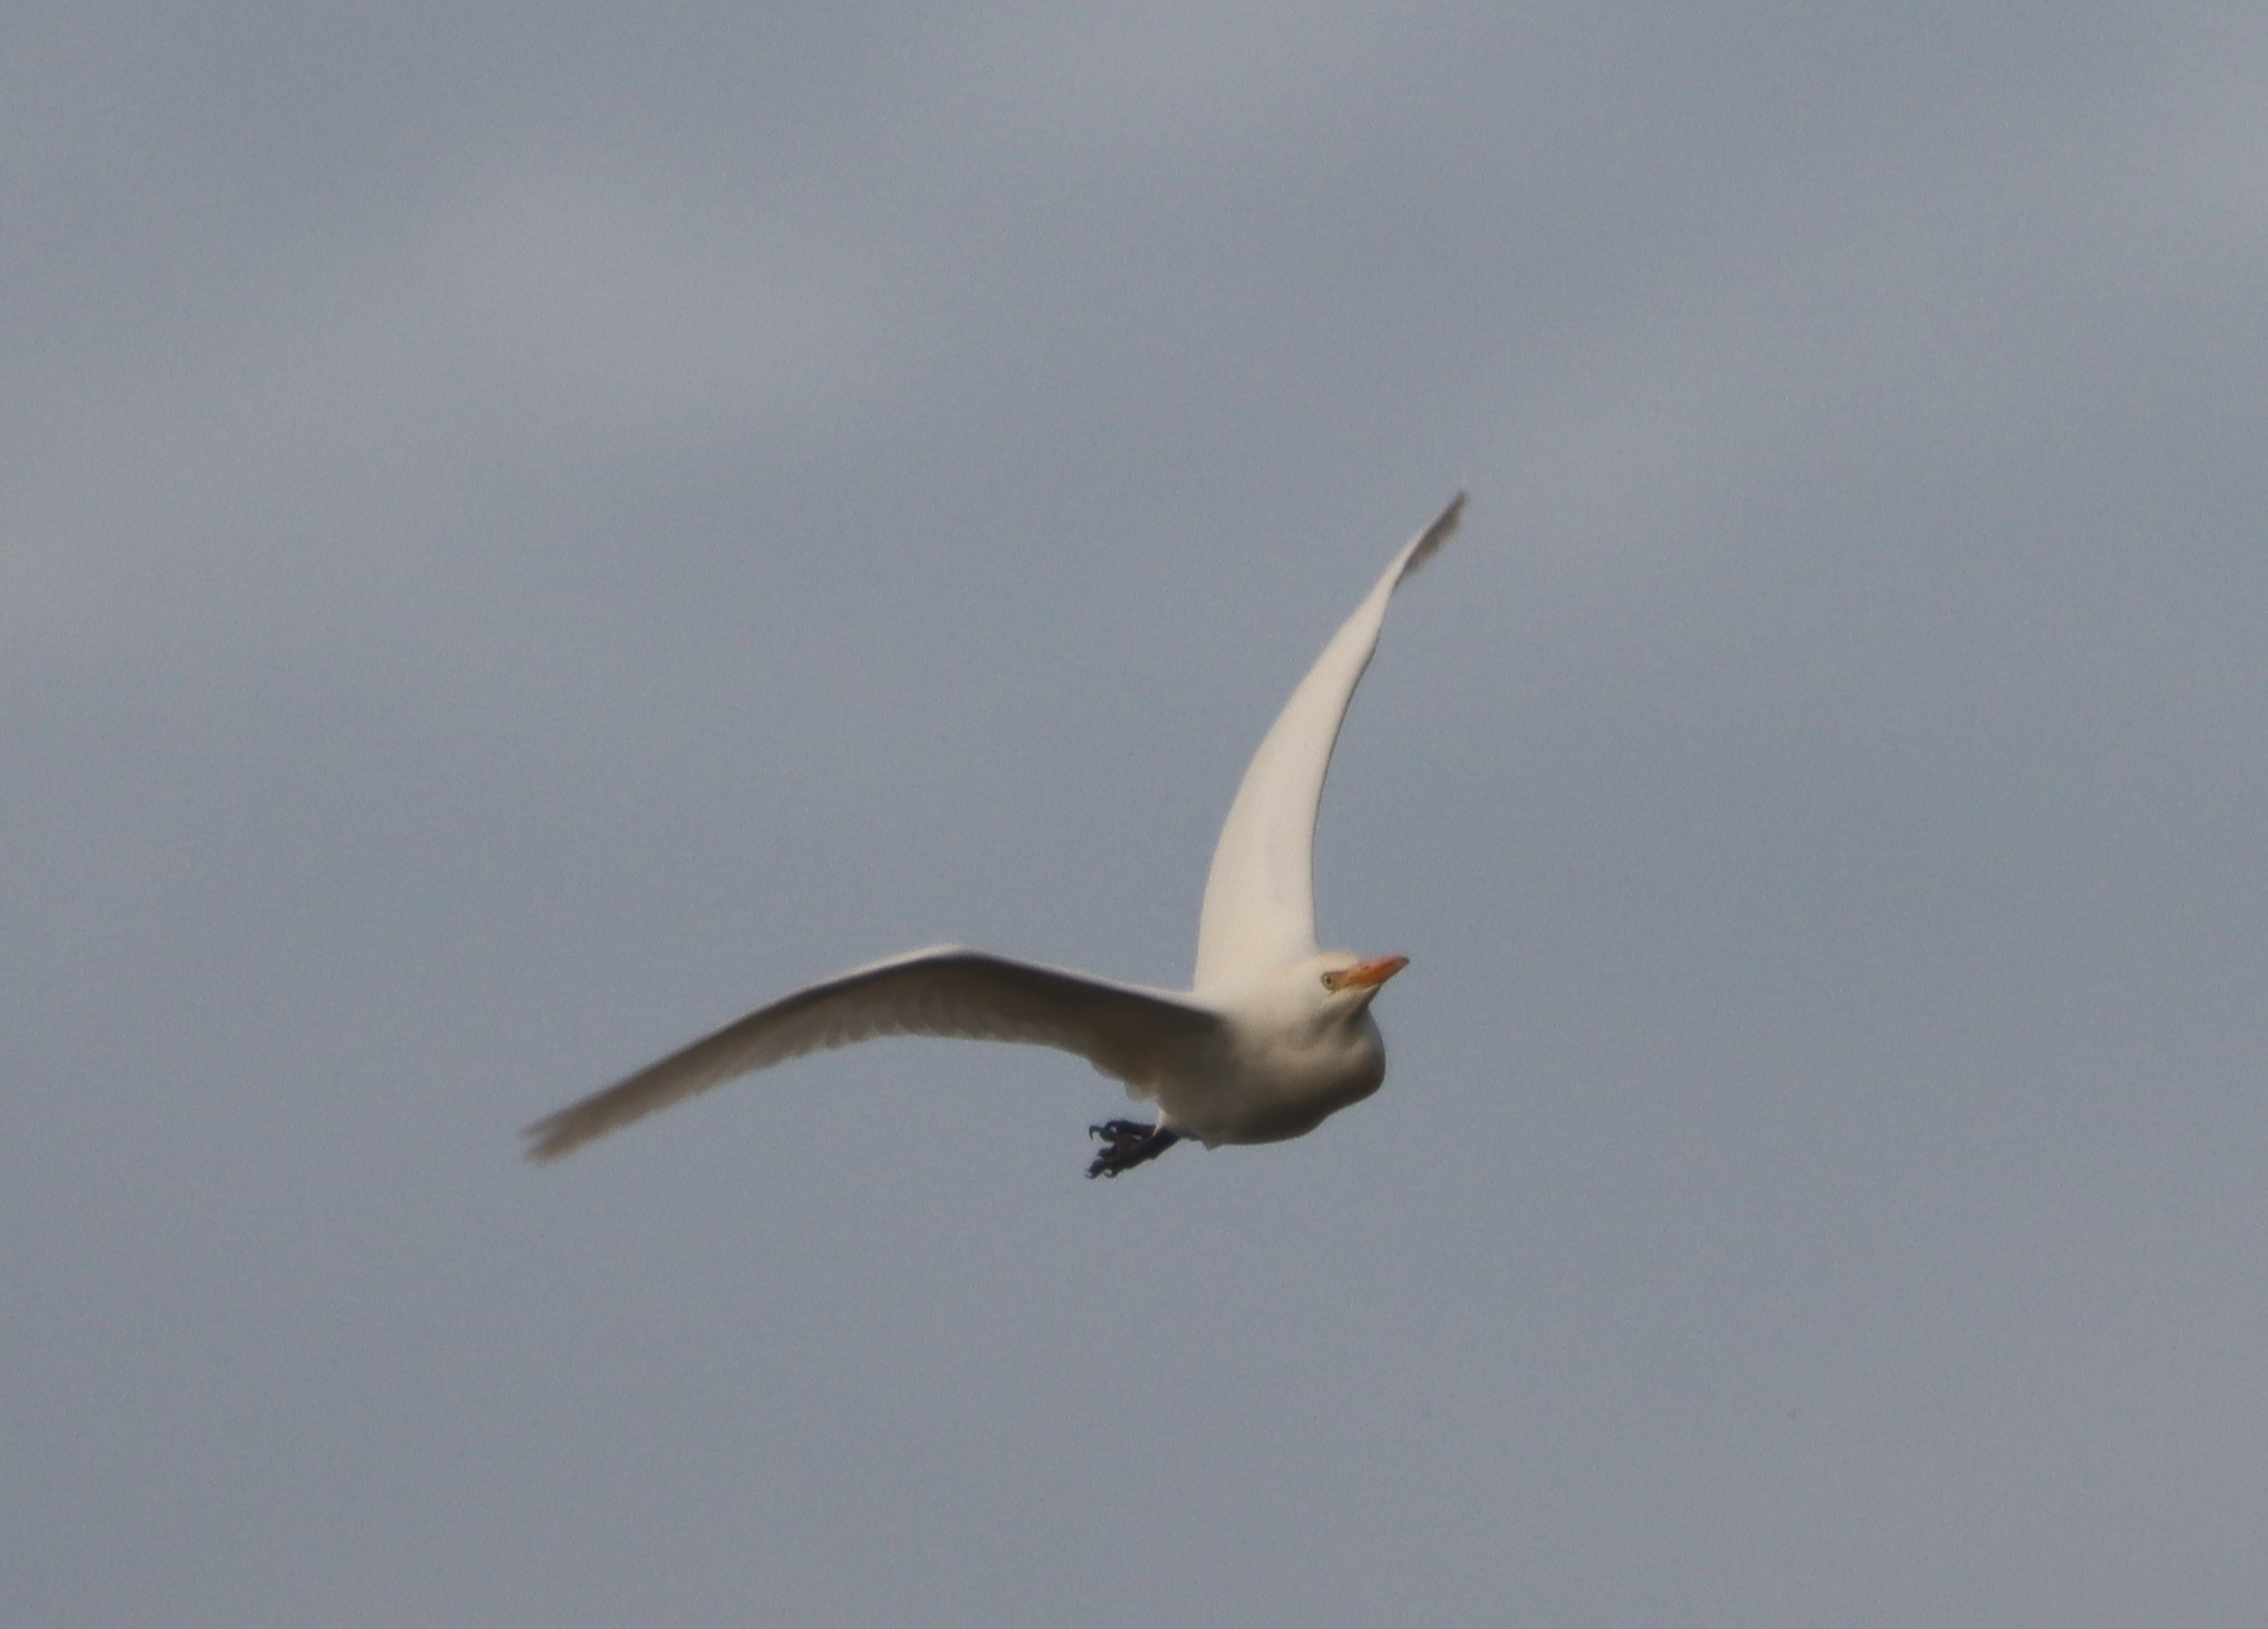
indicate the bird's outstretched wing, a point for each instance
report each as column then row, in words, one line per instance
column 1261, row 897
column 1123, row 1030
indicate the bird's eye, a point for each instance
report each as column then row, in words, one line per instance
column 1330, row 981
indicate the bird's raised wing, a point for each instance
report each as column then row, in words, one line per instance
column 1261, row 897
column 1124, row 1030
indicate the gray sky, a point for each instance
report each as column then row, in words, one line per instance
column 527, row 530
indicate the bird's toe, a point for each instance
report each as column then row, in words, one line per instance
column 1127, row 1144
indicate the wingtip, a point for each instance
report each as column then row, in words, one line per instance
column 543, row 1144
column 1427, row 544
column 556, row 1136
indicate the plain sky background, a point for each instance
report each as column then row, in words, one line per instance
column 527, row 531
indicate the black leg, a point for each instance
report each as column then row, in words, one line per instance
column 1127, row 1144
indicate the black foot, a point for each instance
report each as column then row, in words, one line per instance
column 1126, row 1144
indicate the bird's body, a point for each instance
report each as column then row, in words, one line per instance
column 1273, row 1037
column 1290, row 1062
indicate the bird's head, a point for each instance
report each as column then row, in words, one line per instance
column 1326, row 993
column 1352, row 982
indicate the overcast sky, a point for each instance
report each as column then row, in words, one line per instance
column 527, row 530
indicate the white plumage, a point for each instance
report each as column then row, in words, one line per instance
column 1273, row 1036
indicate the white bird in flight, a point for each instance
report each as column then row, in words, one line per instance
column 1273, row 1036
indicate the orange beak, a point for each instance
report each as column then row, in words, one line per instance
column 1369, row 975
